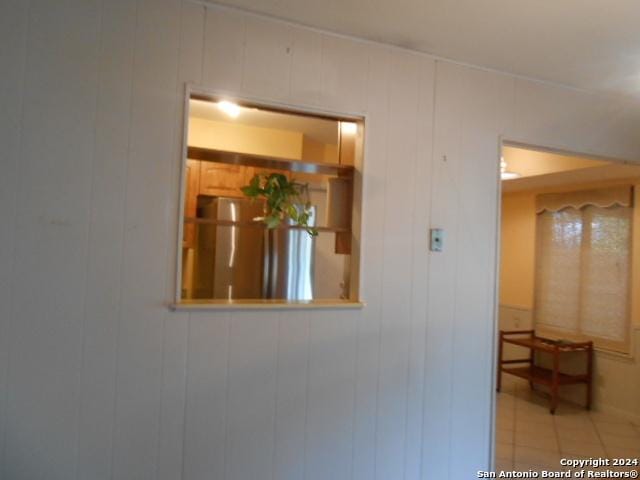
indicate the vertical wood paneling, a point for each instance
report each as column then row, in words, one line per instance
column 191, row 54
column 368, row 326
column 102, row 302
column 206, row 407
column 50, row 258
column 291, row 396
column 267, row 58
column 173, row 397
column 442, row 300
column 344, row 72
column 176, row 327
column 306, row 67
column 397, row 262
column 485, row 109
column 223, row 50
column 150, row 153
column 13, row 31
column 330, row 404
column 251, row 395
column 421, row 186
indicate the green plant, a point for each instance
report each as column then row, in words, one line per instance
column 284, row 199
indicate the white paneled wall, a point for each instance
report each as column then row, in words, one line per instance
column 99, row 380
column 13, row 29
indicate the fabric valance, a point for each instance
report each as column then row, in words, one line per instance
column 603, row 197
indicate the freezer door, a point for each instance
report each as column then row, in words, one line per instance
column 230, row 261
column 289, row 264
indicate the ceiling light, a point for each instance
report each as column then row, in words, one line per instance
column 504, row 173
column 230, row 108
column 348, row 128
column 509, row 175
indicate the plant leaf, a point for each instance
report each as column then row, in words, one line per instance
column 284, row 198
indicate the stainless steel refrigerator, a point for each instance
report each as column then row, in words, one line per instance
column 236, row 259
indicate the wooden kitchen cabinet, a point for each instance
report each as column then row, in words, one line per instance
column 251, row 171
column 192, row 182
column 220, row 180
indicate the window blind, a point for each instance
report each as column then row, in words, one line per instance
column 583, row 274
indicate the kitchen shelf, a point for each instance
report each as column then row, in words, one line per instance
column 231, row 223
column 261, row 161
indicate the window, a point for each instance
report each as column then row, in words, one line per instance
column 245, row 240
column 583, row 270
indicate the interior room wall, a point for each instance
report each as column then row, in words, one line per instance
column 616, row 378
column 517, row 241
column 101, row 380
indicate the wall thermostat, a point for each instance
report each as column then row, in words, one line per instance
column 437, row 240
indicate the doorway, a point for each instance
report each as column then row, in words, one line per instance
column 570, row 286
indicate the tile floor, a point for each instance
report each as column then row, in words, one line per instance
column 529, row 437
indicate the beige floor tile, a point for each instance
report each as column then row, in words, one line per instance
column 538, row 439
column 505, row 398
column 525, row 406
column 536, row 456
column 585, row 434
column 538, row 416
column 507, row 421
column 506, row 410
column 533, row 396
column 631, row 442
column 524, row 425
column 600, row 417
column 511, row 382
column 574, row 422
column 528, row 437
column 504, row 435
column 565, row 408
column 621, row 452
column 570, row 446
column 504, row 451
column 503, row 465
column 505, row 424
column 619, row 429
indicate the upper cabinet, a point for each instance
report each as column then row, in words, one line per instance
column 218, row 179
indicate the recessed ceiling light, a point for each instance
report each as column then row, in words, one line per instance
column 509, row 175
column 348, row 128
column 230, row 108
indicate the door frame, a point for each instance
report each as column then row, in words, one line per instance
column 502, row 142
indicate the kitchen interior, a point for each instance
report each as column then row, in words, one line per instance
column 229, row 254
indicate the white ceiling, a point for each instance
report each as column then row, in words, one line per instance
column 541, row 170
column 591, row 44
